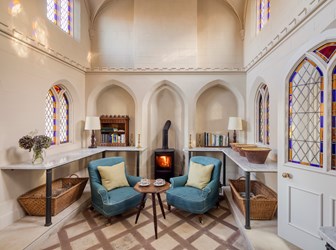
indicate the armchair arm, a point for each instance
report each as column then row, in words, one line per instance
column 99, row 192
column 178, row 181
column 132, row 180
column 209, row 188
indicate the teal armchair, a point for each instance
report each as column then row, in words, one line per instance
column 191, row 199
column 115, row 201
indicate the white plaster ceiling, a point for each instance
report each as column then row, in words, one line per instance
column 237, row 6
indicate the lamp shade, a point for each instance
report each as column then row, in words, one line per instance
column 235, row 123
column 92, row 123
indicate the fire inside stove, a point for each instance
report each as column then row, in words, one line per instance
column 163, row 161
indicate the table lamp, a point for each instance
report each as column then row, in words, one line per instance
column 92, row 123
column 235, row 123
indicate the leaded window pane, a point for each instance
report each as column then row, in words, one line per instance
column 64, row 119
column 261, row 120
column 50, row 117
column 51, row 10
column 267, row 120
column 306, row 115
column 327, row 51
column 264, row 10
column 65, row 15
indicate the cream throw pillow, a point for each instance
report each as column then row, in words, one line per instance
column 113, row 176
column 199, row 175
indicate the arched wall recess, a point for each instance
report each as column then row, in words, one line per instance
column 214, row 104
column 165, row 102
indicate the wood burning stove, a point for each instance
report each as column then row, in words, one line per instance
column 164, row 157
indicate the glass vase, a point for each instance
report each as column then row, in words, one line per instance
column 38, row 157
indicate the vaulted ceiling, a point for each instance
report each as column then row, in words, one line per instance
column 238, row 7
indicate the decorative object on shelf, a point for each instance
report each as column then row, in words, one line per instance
column 190, row 144
column 36, row 142
column 235, row 123
column 131, row 140
column 139, row 145
column 199, row 140
column 238, row 148
column 92, row 123
column 256, row 155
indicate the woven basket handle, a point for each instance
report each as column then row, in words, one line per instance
column 74, row 175
column 241, row 178
column 260, row 196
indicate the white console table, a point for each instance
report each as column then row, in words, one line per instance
column 62, row 159
column 245, row 165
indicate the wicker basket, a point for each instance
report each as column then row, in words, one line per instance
column 65, row 191
column 263, row 202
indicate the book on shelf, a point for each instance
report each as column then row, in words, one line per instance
column 207, row 139
column 113, row 138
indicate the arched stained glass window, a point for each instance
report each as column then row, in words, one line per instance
column 50, row 116
column 333, row 121
column 64, row 119
column 262, row 110
column 263, row 13
column 60, row 12
column 57, row 114
column 305, row 110
column 327, row 51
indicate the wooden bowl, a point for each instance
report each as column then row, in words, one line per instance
column 241, row 145
column 233, row 145
column 256, row 155
column 241, row 151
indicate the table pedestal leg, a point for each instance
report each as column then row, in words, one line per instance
column 141, row 206
column 161, row 205
column 48, row 197
column 247, row 201
column 154, row 214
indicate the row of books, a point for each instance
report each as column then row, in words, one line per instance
column 212, row 140
column 113, row 138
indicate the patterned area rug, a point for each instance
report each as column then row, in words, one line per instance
column 180, row 230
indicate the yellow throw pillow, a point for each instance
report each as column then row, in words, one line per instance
column 199, row 175
column 113, row 176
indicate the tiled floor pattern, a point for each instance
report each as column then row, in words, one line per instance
column 180, row 230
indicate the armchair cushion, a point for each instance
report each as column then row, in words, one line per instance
column 199, row 175
column 113, row 176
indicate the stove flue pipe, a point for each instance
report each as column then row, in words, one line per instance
column 165, row 134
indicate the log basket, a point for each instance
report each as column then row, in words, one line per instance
column 65, row 191
column 263, row 204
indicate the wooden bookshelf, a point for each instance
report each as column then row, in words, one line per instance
column 114, row 130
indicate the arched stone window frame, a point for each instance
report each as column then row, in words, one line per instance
column 262, row 109
column 61, row 105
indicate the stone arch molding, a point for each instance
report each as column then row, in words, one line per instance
column 230, row 87
column 91, row 107
column 173, row 88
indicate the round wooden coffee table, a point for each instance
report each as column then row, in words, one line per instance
column 151, row 189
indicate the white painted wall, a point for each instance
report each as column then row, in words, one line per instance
column 166, row 34
column 26, row 75
column 219, row 41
